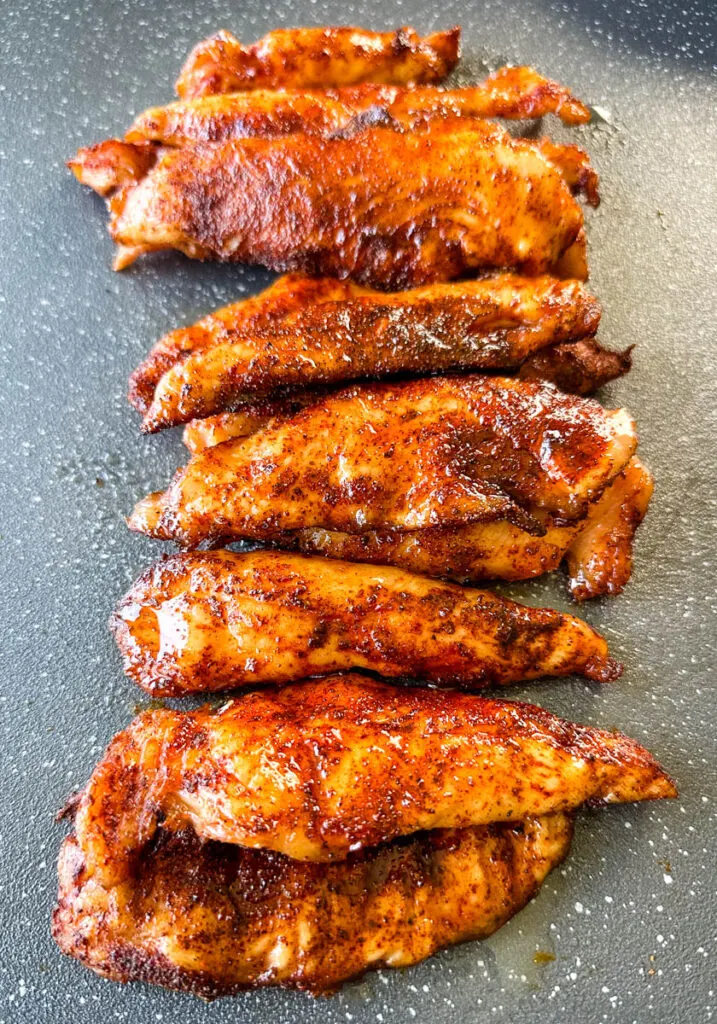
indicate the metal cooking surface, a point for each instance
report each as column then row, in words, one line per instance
column 630, row 920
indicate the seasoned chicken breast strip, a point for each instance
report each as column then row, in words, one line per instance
column 388, row 208
column 305, row 58
column 256, row 315
column 496, row 323
column 207, row 621
column 211, row 918
column 321, row 769
column 597, row 549
column 511, row 93
column 441, row 452
column 599, row 559
column 579, row 368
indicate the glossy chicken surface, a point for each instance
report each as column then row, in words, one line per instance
column 579, row 368
column 600, row 558
column 388, row 208
column 305, row 58
column 248, row 419
column 207, row 621
column 321, row 769
column 257, row 315
column 211, row 918
column 597, row 549
column 511, row 93
column 495, row 323
column 441, row 452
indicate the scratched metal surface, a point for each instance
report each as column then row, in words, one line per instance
column 630, row 919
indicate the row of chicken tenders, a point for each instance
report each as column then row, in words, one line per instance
column 402, row 416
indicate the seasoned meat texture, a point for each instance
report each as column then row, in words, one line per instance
column 257, row 315
column 579, row 368
column 598, row 548
column 574, row 164
column 111, row 165
column 509, row 93
column 496, row 323
column 212, row 919
column 600, row 558
column 441, row 452
column 212, row 620
column 247, row 420
column 305, row 58
column 388, row 208
column 321, row 769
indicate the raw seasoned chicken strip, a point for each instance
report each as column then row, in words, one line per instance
column 441, row 452
column 212, row 919
column 496, row 323
column 321, row 769
column 212, row 620
column 388, row 208
column 509, row 93
column 598, row 548
column 305, row 58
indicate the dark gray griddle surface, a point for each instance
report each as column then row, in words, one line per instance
column 631, row 917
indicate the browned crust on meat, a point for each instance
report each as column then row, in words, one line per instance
column 579, row 368
column 320, row 769
column 214, row 620
column 318, row 337
column 511, row 93
column 437, row 452
column 317, row 58
column 473, row 198
column 213, row 919
column 110, row 165
column 600, row 558
column 258, row 314
column 598, row 548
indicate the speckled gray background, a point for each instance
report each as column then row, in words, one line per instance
column 631, row 919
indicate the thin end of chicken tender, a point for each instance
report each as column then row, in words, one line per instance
column 304, row 58
column 600, row 558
